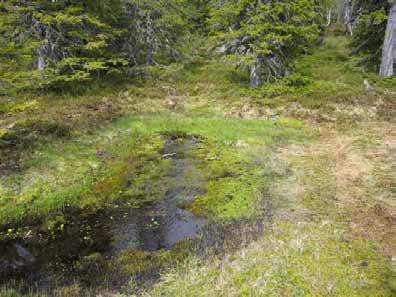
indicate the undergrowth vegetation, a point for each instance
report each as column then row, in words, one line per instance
column 92, row 171
column 316, row 147
column 323, row 79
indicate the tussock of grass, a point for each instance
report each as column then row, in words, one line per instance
column 303, row 259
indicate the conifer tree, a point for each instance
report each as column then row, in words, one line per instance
column 265, row 36
column 55, row 43
column 369, row 31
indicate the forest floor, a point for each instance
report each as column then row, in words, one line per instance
column 296, row 181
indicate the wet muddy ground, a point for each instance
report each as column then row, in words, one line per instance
column 149, row 228
column 164, row 224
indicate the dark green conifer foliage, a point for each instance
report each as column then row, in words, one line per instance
column 369, row 32
column 265, row 36
column 62, row 42
column 56, row 43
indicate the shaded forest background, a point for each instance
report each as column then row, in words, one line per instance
column 55, row 44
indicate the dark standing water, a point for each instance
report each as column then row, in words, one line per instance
column 163, row 225
column 150, row 228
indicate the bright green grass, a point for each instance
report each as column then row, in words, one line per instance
column 92, row 171
column 233, row 180
column 221, row 129
column 86, row 172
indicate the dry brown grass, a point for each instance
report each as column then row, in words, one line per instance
column 350, row 172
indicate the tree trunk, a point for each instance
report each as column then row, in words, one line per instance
column 255, row 79
column 150, row 40
column 344, row 10
column 329, row 17
column 41, row 58
column 389, row 47
column 348, row 16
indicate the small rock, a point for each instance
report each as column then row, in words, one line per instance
column 169, row 90
column 364, row 263
column 23, row 253
column 170, row 103
column 213, row 158
column 241, row 144
column 367, row 86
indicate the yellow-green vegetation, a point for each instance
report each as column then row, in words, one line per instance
column 305, row 259
column 227, row 154
column 88, row 171
column 333, row 233
column 135, row 262
column 333, row 228
column 326, row 85
column 84, row 172
column 317, row 146
column 234, row 182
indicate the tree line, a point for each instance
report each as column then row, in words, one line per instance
column 55, row 43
